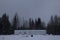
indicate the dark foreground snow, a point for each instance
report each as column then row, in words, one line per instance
column 28, row 37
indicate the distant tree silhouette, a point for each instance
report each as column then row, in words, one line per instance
column 5, row 25
column 35, row 23
column 38, row 24
column 56, row 21
column 0, row 26
column 54, row 26
column 33, row 27
column 43, row 26
column 50, row 26
column 15, row 22
column 30, row 25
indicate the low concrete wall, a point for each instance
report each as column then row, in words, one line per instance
column 31, row 32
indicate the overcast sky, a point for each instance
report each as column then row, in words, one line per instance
column 30, row 8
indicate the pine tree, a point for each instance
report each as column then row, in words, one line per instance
column 0, row 26
column 35, row 23
column 15, row 22
column 50, row 26
column 38, row 24
column 53, row 27
column 30, row 25
column 6, row 26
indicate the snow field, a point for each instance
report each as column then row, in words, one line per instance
column 28, row 37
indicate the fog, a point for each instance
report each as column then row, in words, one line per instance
column 30, row 8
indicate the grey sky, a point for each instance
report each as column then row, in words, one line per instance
column 30, row 8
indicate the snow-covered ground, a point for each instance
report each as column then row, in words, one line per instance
column 28, row 37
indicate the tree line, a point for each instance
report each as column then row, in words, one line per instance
column 7, row 28
column 53, row 27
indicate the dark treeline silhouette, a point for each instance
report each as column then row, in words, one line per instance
column 7, row 28
column 33, row 25
column 37, row 25
column 53, row 26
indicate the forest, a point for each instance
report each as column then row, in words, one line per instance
column 7, row 28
